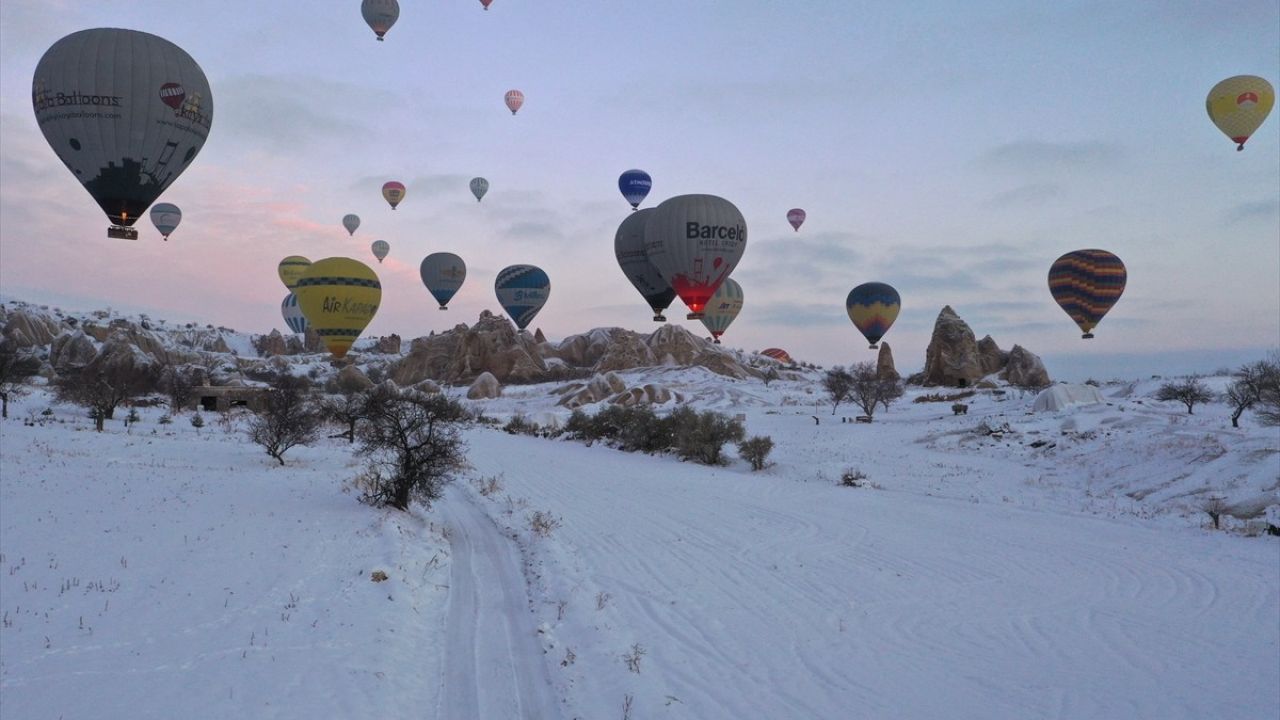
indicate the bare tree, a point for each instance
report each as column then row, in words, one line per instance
column 838, row 383
column 345, row 410
column 870, row 389
column 1189, row 392
column 415, row 445
column 1252, row 382
column 287, row 417
column 179, row 383
column 103, row 387
column 16, row 367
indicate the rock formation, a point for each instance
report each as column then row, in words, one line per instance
column 485, row 387
column 71, row 351
column 990, row 356
column 31, row 329
column 884, row 364
column 1024, row 369
column 952, row 356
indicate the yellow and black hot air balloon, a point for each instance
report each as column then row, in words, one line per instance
column 873, row 307
column 1238, row 105
column 291, row 268
column 1085, row 284
column 338, row 296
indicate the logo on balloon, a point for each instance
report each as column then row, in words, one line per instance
column 172, row 94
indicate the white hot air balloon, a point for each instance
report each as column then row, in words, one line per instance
column 479, row 186
column 695, row 241
column 165, row 216
column 443, row 273
column 293, row 317
column 351, row 222
column 723, row 307
column 628, row 248
column 380, row 15
column 380, row 249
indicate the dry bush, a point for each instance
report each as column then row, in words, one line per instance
column 543, row 523
column 939, row 397
column 756, row 451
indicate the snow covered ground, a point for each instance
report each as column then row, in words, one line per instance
column 1060, row 567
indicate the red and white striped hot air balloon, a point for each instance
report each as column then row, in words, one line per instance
column 514, row 99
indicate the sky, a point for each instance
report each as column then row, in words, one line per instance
column 953, row 150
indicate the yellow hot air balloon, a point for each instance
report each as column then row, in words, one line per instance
column 291, row 268
column 1239, row 104
column 338, row 296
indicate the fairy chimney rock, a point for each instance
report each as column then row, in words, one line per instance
column 952, row 356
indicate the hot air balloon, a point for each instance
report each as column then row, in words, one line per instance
column 1085, row 284
column 293, row 317
column 628, row 246
column 351, row 222
column 380, row 14
column 873, row 307
column 635, row 186
column 380, row 249
column 485, row 3
column 126, row 112
column 479, row 186
column 338, row 296
column 393, row 192
column 1238, row 105
column 695, row 241
column 165, row 216
column 443, row 274
column 291, row 268
column 796, row 217
column 778, row 354
column 514, row 99
column 723, row 308
column 522, row 291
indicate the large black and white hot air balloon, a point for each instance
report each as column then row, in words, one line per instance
column 695, row 241
column 126, row 111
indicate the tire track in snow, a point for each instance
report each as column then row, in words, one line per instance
column 494, row 666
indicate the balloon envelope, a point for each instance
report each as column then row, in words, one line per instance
column 351, row 222
column 514, row 100
column 1085, row 284
column 293, row 317
column 796, row 217
column 628, row 247
column 723, row 308
column 380, row 15
column 1239, row 105
column 479, row 186
column 443, row 273
column 873, row 307
column 522, row 291
column 125, row 111
column 778, row 354
column 291, row 268
column 380, row 249
column 165, row 216
column 485, row 3
column 695, row 241
column 338, row 296
column 635, row 186
column 393, row 192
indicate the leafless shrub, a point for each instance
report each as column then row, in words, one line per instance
column 756, row 451
column 1215, row 507
column 602, row 599
column 852, row 477
column 626, row 705
column 939, row 397
column 543, row 523
column 16, row 367
column 632, row 658
column 489, row 485
column 415, row 443
column 287, row 417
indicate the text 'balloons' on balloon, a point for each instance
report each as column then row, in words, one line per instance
column 380, row 249
column 873, row 307
column 796, row 217
column 165, row 216
column 1085, row 284
column 514, row 100
column 1239, row 105
column 443, row 274
column 293, row 317
column 629, row 248
column 522, row 290
column 351, row 222
column 695, row 241
column 778, row 354
column 339, row 297
column 393, row 192
column 635, row 186
column 380, row 15
column 723, row 307
column 126, row 112
column 292, row 268
column 479, row 186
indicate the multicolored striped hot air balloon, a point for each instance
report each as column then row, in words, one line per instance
column 293, row 317
column 1239, row 105
column 291, row 268
column 695, row 241
column 796, row 217
column 778, row 354
column 1085, row 284
column 522, row 291
column 514, row 100
column 380, row 15
column 628, row 247
column 393, row 192
column 380, row 249
column 339, row 297
column 723, row 307
column 873, row 307
column 443, row 274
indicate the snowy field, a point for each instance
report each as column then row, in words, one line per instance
column 1058, row 568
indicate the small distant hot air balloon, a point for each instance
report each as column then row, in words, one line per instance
column 380, row 249
column 479, row 186
column 486, row 3
column 443, row 273
column 628, row 246
column 351, row 222
column 723, row 307
column 1239, row 105
column 635, row 186
column 393, row 192
column 126, row 112
column 522, row 291
column 165, row 216
column 796, row 217
column 778, row 354
column 873, row 307
column 293, row 317
column 1085, row 284
column 514, row 100
column 291, row 268
column 695, row 241
column 338, row 296
column 380, row 14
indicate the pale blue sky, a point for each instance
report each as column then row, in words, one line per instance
column 953, row 150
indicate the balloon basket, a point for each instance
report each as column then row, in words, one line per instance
column 659, row 318
column 443, row 307
column 694, row 316
column 1087, row 336
column 122, row 232
column 873, row 346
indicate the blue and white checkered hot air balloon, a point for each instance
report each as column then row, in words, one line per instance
column 293, row 316
column 522, row 291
